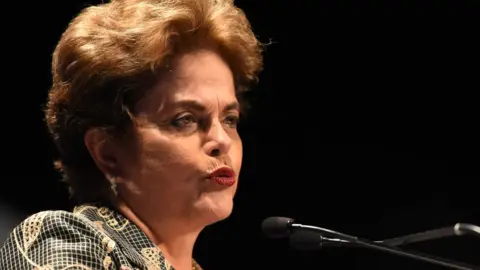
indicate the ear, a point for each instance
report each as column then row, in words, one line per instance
column 103, row 151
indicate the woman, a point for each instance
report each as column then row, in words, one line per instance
column 144, row 109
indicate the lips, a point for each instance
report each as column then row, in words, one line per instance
column 223, row 176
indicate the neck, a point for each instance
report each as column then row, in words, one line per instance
column 178, row 249
column 174, row 237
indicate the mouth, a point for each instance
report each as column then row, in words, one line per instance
column 223, row 176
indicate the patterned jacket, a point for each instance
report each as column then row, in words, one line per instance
column 90, row 237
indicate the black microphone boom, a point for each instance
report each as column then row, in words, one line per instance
column 457, row 230
column 311, row 240
column 277, row 227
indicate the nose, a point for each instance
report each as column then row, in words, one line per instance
column 218, row 141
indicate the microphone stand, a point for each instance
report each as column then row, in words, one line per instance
column 458, row 230
column 385, row 248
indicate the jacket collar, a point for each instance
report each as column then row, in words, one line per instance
column 135, row 244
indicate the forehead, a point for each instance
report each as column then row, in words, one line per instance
column 201, row 75
column 205, row 65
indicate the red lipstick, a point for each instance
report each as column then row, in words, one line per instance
column 223, row 176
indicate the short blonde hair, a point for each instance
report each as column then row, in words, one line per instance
column 112, row 54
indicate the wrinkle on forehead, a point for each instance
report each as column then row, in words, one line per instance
column 202, row 76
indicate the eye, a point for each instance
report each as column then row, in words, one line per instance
column 231, row 120
column 184, row 120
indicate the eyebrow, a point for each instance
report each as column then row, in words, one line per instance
column 195, row 105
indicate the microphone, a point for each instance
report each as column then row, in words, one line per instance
column 458, row 230
column 316, row 237
column 310, row 240
column 275, row 227
column 279, row 227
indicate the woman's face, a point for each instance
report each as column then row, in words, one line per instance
column 187, row 130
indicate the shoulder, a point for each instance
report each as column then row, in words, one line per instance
column 54, row 224
column 53, row 239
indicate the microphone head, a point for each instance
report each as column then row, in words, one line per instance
column 277, row 227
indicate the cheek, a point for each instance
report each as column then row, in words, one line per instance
column 167, row 170
column 168, row 157
column 236, row 154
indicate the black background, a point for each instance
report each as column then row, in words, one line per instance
column 364, row 121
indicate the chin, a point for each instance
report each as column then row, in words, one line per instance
column 216, row 209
